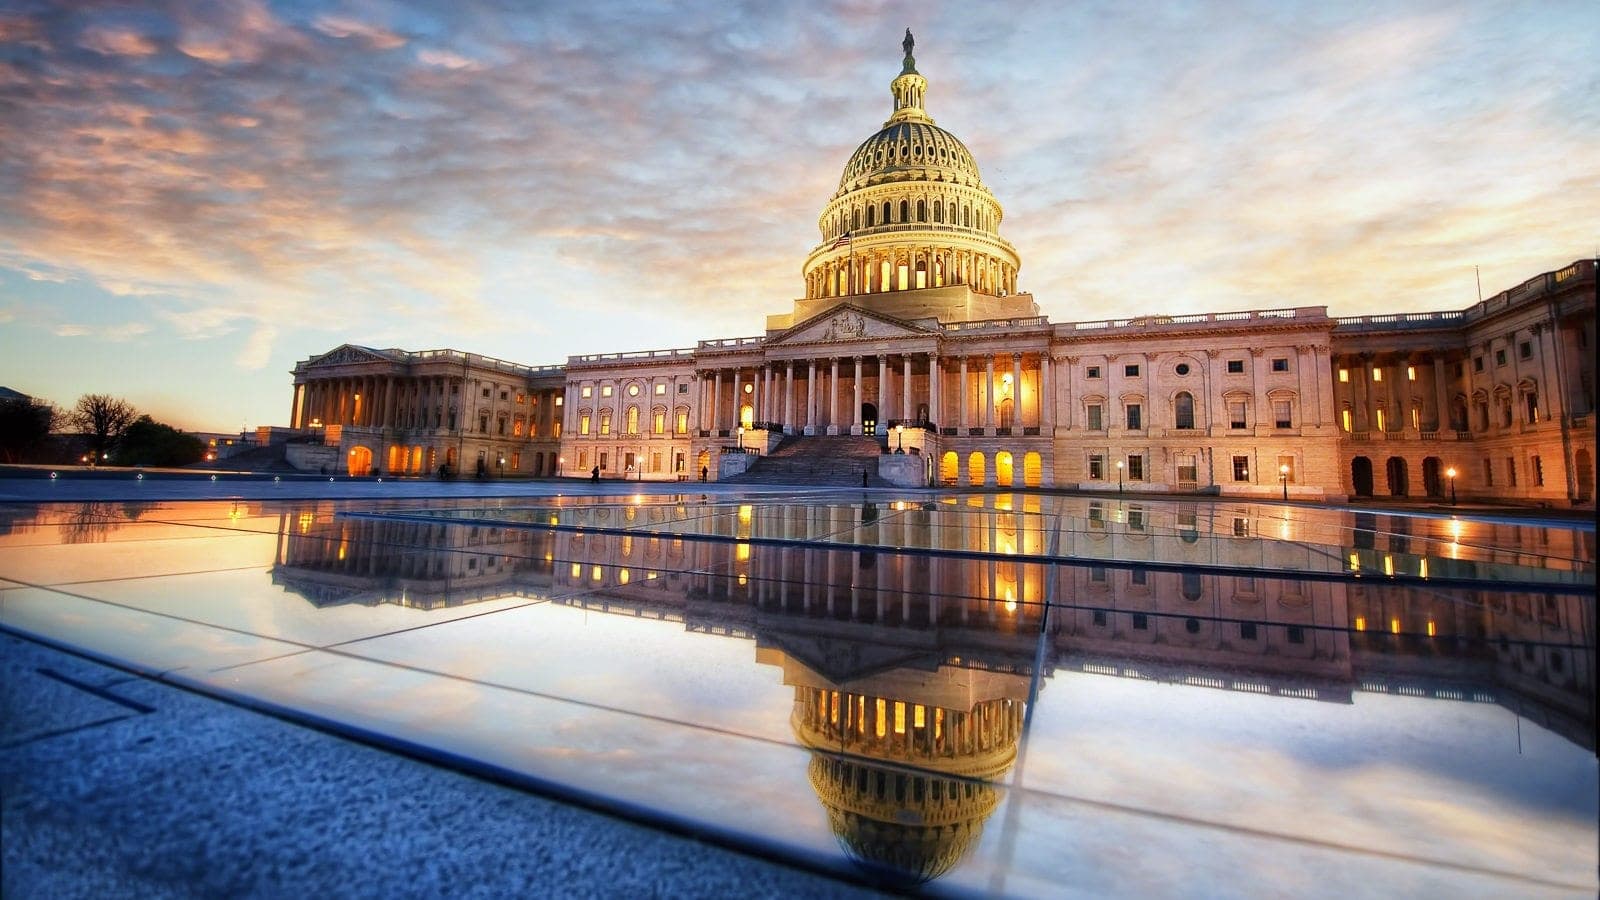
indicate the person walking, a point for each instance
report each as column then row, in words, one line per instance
column 594, row 475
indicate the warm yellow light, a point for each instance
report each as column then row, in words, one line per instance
column 595, row 574
column 1344, row 375
column 1355, row 562
column 1388, row 564
column 577, row 570
column 1433, row 628
column 899, row 717
column 743, row 580
column 744, row 515
column 549, row 557
column 1377, row 374
column 1450, row 472
column 881, row 726
column 1411, row 373
column 741, row 552
column 1361, row 623
column 1394, row 625
column 1422, row 567
column 623, row 576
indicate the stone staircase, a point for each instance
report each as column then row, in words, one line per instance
column 817, row 460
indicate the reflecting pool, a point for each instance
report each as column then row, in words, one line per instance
column 1008, row 694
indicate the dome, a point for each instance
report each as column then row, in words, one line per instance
column 910, row 151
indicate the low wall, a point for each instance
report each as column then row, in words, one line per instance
column 731, row 464
column 313, row 458
column 903, row 469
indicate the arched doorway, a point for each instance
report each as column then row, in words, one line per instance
column 1032, row 470
column 397, row 459
column 869, row 418
column 1003, row 468
column 1584, row 463
column 1399, row 481
column 1007, row 412
column 747, row 415
column 1361, row 476
column 702, row 465
column 949, row 467
column 975, row 469
column 360, row 460
column 1432, row 476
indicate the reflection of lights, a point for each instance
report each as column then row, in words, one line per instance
column 549, row 557
column 1355, row 562
column 1388, row 564
column 1433, row 628
column 1457, row 527
column 1283, row 529
column 305, row 522
column 1361, row 623
column 1011, row 600
column 741, row 552
column 743, row 580
column 1422, row 567
column 744, row 515
column 638, row 498
column 652, row 576
column 554, row 520
column 623, row 576
column 1394, row 625
column 577, row 570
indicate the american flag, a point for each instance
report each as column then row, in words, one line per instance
column 843, row 241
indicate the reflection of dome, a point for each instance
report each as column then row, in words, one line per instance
column 905, row 827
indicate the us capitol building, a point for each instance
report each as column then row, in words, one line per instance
column 913, row 358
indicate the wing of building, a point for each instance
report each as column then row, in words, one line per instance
column 913, row 358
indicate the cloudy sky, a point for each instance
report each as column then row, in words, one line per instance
column 194, row 196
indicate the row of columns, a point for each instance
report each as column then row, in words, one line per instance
column 875, row 272
column 391, row 401
column 775, row 394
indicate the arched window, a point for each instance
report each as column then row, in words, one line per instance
column 633, row 420
column 871, row 210
column 922, row 210
column 1183, row 410
column 905, row 211
column 953, row 218
column 1191, row 586
column 886, row 212
column 855, row 218
column 938, row 213
column 966, row 217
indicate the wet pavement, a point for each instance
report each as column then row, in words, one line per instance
column 1016, row 694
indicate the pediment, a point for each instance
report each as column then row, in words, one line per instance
column 348, row 354
column 847, row 323
column 844, row 661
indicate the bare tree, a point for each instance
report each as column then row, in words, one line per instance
column 25, row 425
column 103, row 419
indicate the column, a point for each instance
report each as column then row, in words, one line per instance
column 788, row 396
column 833, row 400
column 961, row 414
column 1016, row 392
column 855, row 414
column 988, row 394
column 388, row 403
column 883, row 394
column 811, row 396
column 906, row 407
column 1047, row 396
column 716, row 399
column 935, row 394
column 717, row 403
column 1440, row 398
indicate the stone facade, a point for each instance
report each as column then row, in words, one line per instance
column 911, row 329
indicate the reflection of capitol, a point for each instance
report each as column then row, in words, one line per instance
column 911, row 672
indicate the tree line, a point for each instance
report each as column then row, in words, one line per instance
column 109, row 431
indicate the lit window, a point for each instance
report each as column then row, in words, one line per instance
column 661, row 390
column 1411, row 373
column 605, row 391
column 1241, row 468
column 1377, row 374
column 1344, row 375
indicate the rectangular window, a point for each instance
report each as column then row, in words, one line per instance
column 1135, row 417
column 1097, row 515
column 1241, row 528
column 559, row 399
column 1500, row 357
column 1141, row 622
column 505, row 395
column 682, row 425
column 483, row 424
column 1139, row 577
column 1537, row 468
column 1525, row 350
column 1346, row 419
column 1247, row 631
column 1092, row 372
column 516, row 459
column 1235, row 367
column 683, row 389
column 1100, row 618
column 1282, row 414
column 1477, row 364
column 1236, row 414
column 658, row 422
column 1097, row 574
column 1460, row 369
column 1097, row 467
column 1411, row 373
column 1136, row 468
column 1136, row 522
column 1382, row 418
column 1377, row 374
column 604, row 458
column 1344, row 375
column 1131, row 371
column 1281, row 364
column 661, row 390
column 485, row 393
column 1096, row 423
column 1297, row 635
column 1241, row 468
column 1511, row 471
column 605, row 391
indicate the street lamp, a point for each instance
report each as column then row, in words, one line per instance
column 1119, row 476
column 1283, row 477
column 502, row 465
column 561, row 463
column 739, row 433
column 1450, row 473
column 899, row 439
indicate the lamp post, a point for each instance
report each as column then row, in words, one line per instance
column 1450, row 473
column 899, row 439
column 1283, row 478
column 561, row 464
column 502, row 459
column 1119, row 476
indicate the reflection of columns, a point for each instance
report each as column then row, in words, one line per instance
column 716, row 398
column 833, row 398
column 855, row 413
column 906, row 408
column 961, row 414
column 988, row 392
column 935, row 395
